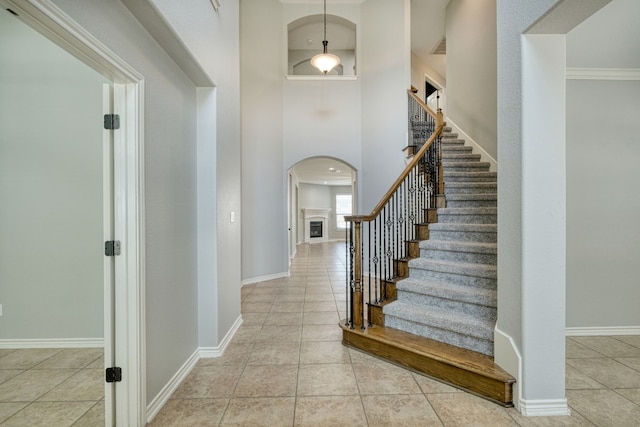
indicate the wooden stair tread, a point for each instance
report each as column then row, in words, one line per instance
column 462, row 368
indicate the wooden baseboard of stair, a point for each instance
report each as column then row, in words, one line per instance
column 461, row 368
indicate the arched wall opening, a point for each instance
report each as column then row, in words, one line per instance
column 321, row 189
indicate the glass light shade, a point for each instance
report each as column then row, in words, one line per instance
column 325, row 62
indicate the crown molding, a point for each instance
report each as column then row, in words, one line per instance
column 603, row 73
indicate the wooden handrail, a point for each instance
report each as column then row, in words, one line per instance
column 423, row 105
column 385, row 199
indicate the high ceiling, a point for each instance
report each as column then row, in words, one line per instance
column 323, row 171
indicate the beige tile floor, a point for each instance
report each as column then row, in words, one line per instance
column 52, row 387
column 286, row 366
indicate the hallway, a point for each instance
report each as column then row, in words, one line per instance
column 287, row 366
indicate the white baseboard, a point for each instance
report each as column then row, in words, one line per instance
column 544, row 408
column 163, row 396
column 212, row 352
column 265, row 278
column 53, row 343
column 201, row 353
column 508, row 357
column 484, row 156
column 602, row 331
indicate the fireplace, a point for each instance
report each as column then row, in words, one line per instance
column 316, row 223
column 315, row 229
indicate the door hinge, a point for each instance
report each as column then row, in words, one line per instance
column 112, row 248
column 113, row 375
column 111, row 121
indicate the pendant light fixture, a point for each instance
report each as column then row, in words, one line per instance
column 325, row 61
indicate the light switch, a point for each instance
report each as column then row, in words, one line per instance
column 232, row 216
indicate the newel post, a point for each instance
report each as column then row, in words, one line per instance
column 358, row 296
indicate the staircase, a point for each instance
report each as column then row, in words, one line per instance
column 422, row 266
column 450, row 293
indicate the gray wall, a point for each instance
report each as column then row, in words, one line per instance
column 603, row 203
column 471, row 70
column 603, row 145
column 170, row 186
column 51, row 261
column 362, row 121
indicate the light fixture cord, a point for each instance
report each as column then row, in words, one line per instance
column 324, row 42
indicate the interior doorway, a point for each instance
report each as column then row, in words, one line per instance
column 97, row 196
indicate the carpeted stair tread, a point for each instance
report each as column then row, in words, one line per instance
column 441, row 319
column 472, row 196
column 486, row 271
column 470, row 176
column 468, row 211
column 460, row 157
column 473, row 247
column 450, row 291
column 482, row 228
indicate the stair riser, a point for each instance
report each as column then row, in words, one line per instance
column 466, row 167
column 467, row 308
column 472, row 203
column 463, row 236
column 480, row 188
column 470, row 177
column 456, row 149
column 468, row 219
column 468, row 257
column 449, row 337
column 452, row 142
column 458, row 279
column 456, row 158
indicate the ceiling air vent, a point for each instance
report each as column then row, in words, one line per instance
column 441, row 48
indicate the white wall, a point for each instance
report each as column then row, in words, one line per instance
column 603, row 203
column 51, row 248
column 603, row 142
column 419, row 72
column 214, row 40
column 170, row 186
column 263, row 175
column 361, row 121
column 386, row 76
column 471, row 70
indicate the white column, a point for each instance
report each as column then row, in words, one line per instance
column 543, row 225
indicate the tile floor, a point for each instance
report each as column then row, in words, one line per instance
column 52, row 387
column 286, row 366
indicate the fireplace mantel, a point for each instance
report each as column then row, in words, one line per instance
column 316, row 214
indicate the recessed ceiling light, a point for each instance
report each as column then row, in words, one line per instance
column 332, row 169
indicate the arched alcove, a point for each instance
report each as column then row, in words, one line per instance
column 304, row 40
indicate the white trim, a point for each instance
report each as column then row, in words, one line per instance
column 200, row 353
column 544, row 408
column 484, row 156
column 52, row 343
column 163, row 396
column 509, row 358
column 603, row 73
column 264, row 278
column 602, row 331
column 212, row 352
column 343, row 78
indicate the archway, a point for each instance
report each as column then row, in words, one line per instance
column 326, row 188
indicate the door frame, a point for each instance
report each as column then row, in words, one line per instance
column 128, row 201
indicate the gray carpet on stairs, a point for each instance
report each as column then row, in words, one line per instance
column 450, row 294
